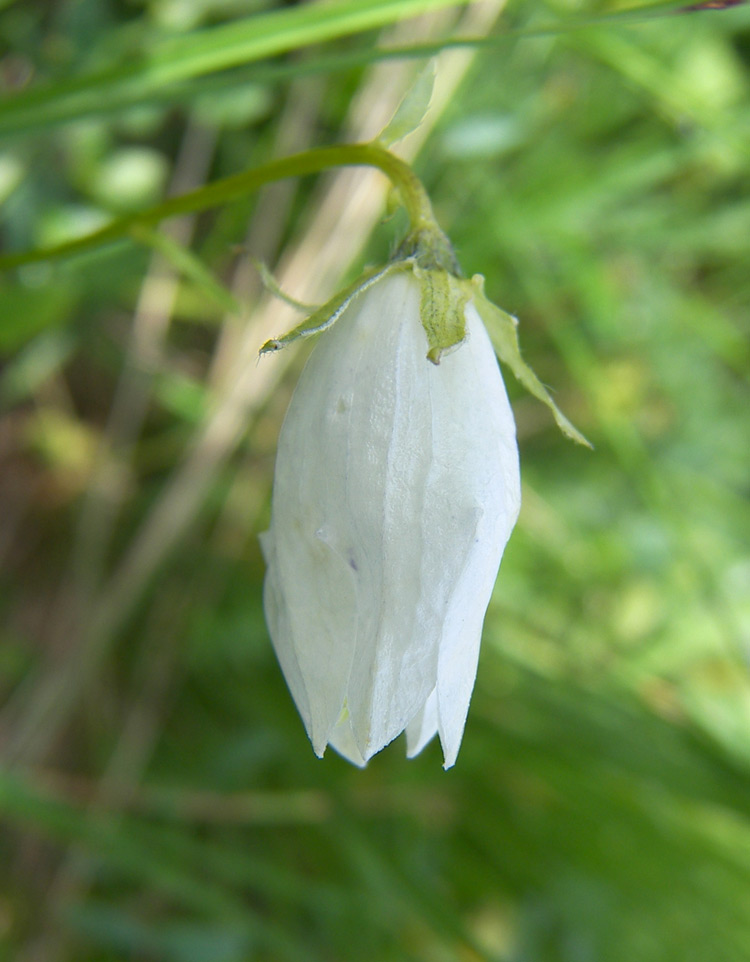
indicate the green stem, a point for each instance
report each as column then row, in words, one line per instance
column 411, row 191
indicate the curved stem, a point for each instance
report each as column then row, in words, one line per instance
column 413, row 196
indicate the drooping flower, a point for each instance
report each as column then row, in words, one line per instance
column 395, row 492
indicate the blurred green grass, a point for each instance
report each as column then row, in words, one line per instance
column 159, row 797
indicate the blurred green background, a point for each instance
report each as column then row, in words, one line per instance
column 158, row 796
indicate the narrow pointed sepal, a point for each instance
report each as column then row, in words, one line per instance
column 442, row 309
column 326, row 316
column 503, row 330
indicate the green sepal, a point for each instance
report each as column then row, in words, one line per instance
column 442, row 307
column 327, row 315
column 503, row 331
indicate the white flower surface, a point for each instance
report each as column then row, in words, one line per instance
column 395, row 492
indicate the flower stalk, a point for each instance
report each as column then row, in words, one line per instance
column 410, row 190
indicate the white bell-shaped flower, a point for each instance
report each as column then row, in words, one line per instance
column 396, row 490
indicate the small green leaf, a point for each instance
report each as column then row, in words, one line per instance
column 327, row 315
column 503, row 331
column 441, row 309
column 411, row 111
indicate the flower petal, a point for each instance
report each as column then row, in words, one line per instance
column 423, row 727
column 396, row 489
column 490, row 457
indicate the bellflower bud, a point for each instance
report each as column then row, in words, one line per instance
column 395, row 492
